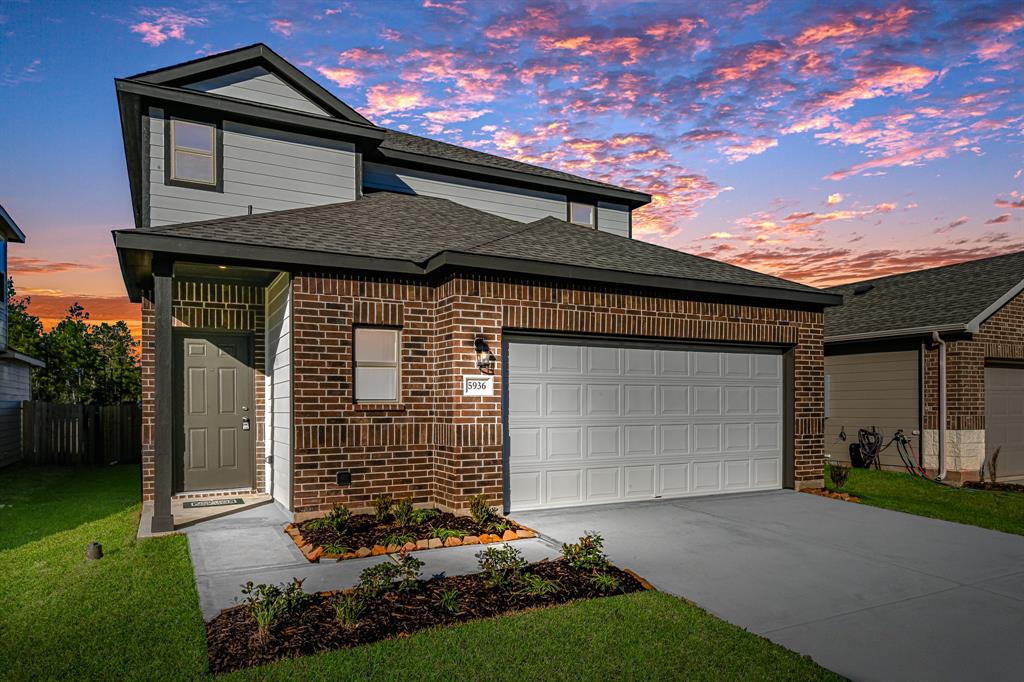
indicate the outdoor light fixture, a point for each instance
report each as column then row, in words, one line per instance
column 483, row 354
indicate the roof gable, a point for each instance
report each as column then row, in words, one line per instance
column 255, row 73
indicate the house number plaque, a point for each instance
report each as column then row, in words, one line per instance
column 478, row 385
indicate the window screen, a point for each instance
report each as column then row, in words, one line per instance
column 581, row 214
column 376, row 364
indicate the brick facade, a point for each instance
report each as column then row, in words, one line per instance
column 210, row 307
column 1001, row 338
column 435, row 445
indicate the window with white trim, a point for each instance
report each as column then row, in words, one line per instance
column 377, row 372
column 581, row 214
column 193, row 152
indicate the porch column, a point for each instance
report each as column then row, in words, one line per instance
column 163, row 399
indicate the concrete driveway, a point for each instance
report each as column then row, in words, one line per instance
column 869, row 593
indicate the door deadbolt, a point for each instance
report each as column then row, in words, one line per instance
column 245, row 423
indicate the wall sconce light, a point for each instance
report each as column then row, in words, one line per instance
column 484, row 358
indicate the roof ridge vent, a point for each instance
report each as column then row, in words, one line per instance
column 862, row 289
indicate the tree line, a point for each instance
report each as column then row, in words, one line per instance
column 86, row 363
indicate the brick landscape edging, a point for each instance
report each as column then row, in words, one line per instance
column 824, row 492
column 315, row 552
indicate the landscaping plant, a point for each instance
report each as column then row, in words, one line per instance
column 397, row 538
column 408, row 572
column 449, row 601
column 587, row 554
column 502, row 564
column 535, row 585
column 402, row 512
column 336, row 520
column 421, row 516
column 268, row 602
column 378, row 579
column 838, row 475
column 479, row 510
column 605, row 582
column 382, row 507
column 348, row 607
column 443, row 534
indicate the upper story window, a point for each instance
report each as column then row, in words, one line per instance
column 377, row 366
column 582, row 214
column 193, row 154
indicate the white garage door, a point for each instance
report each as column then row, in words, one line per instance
column 593, row 424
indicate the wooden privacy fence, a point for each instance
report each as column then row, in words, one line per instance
column 80, row 434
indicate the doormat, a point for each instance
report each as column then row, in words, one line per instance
column 196, row 504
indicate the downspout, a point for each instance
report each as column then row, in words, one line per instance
column 942, row 405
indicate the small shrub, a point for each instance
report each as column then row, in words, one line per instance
column 336, row 548
column 443, row 534
column 587, row 554
column 397, row 538
column 382, row 507
column 605, row 582
column 409, row 572
column 503, row 565
column 402, row 513
column 500, row 527
column 449, row 601
column 838, row 474
column 348, row 607
column 536, row 586
column 479, row 510
column 378, row 579
column 336, row 520
column 421, row 516
column 268, row 602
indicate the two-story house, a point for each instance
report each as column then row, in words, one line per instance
column 15, row 367
column 333, row 310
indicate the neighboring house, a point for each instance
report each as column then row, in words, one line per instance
column 884, row 359
column 15, row 367
column 333, row 310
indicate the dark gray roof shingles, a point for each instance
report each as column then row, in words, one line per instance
column 945, row 296
column 415, row 228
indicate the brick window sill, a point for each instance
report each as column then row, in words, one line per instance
column 379, row 407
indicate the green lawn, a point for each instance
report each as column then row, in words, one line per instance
column 902, row 492
column 135, row 613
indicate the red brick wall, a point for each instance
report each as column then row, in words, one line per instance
column 1001, row 337
column 439, row 447
column 214, row 307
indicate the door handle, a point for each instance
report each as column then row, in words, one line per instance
column 245, row 423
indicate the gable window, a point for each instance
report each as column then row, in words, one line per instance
column 377, row 367
column 581, row 214
column 193, row 154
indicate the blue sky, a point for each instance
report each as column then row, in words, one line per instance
column 817, row 141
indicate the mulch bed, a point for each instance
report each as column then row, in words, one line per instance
column 366, row 536
column 233, row 644
column 1000, row 487
column 825, row 492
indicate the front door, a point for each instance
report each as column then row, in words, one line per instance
column 214, row 444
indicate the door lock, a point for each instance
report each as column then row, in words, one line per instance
column 245, row 423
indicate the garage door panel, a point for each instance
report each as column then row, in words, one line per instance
column 1004, row 419
column 675, row 439
column 639, row 481
column 640, row 440
column 596, row 424
column 603, row 442
column 639, row 401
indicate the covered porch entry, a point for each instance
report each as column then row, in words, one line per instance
column 216, row 389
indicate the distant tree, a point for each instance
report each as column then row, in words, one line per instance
column 91, row 364
column 24, row 330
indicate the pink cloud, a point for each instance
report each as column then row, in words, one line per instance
column 282, row 27
column 758, row 145
column 455, row 115
column 454, row 6
column 1017, row 202
column 535, row 19
column 341, row 76
column 1003, row 218
column 161, row 25
column 389, row 98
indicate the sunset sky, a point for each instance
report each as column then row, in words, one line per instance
column 822, row 142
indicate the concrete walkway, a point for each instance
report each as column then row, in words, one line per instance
column 252, row 545
column 869, row 593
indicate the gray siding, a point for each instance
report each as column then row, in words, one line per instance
column 515, row 203
column 256, row 84
column 613, row 218
column 867, row 390
column 279, row 388
column 14, row 388
column 268, row 169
